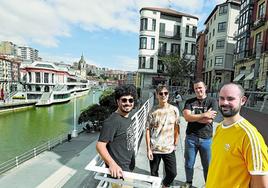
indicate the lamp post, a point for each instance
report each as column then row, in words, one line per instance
column 74, row 132
column 93, row 96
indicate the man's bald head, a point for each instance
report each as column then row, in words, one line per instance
column 235, row 87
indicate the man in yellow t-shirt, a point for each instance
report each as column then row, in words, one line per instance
column 239, row 153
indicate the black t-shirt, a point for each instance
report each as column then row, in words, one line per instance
column 119, row 134
column 198, row 106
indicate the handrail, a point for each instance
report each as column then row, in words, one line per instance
column 144, row 181
column 15, row 162
column 97, row 166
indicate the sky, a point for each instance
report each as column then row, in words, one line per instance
column 106, row 32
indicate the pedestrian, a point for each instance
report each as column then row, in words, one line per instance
column 239, row 153
column 116, row 140
column 162, row 132
column 199, row 112
column 177, row 99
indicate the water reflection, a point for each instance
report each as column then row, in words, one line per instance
column 23, row 130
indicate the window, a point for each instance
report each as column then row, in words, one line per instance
column 187, row 30
column 220, row 44
column 177, row 30
column 218, row 61
column 142, row 61
column 175, row 48
column 162, row 28
column 221, row 26
column 186, row 48
column 223, row 9
column 193, row 49
column 162, row 47
column 209, row 36
column 214, row 16
column 151, row 62
column 144, row 24
column 153, row 24
column 143, row 42
column 257, row 39
column 212, row 47
column 46, row 78
column 152, row 43
column 213, row 32
column 37, row 77
column 194, row 31
column 261, row 10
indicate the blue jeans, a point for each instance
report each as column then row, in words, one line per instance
column 193, row 144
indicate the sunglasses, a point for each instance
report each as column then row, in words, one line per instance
column 124, row 100
column 163, row 93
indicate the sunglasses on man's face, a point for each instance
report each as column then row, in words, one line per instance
column 163, row 93
column 124, row 100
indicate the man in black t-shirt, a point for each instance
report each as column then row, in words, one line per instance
column 199, row 112
column 115, row 144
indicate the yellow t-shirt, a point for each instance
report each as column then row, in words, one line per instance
column 238, row 151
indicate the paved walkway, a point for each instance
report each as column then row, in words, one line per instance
column 64, row 165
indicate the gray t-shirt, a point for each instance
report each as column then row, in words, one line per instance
column 118, row 133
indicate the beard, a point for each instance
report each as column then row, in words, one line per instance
column 230, row 112
column 126, row 108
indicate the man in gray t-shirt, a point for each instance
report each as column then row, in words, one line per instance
column 115, row 144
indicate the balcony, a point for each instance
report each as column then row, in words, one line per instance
column 164, row 52
column 170, row 35
column 258, row 23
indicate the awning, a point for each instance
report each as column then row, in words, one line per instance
column 250, row 76
column 239, row 77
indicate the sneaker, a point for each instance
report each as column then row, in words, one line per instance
column 186, row 185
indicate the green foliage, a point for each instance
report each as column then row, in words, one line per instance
column 178, row 68
column 100, row 111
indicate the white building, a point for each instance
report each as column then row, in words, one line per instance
column 27, row 53
column 220, row 44
column 162, row 32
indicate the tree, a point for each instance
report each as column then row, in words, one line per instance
column 99, row 112
column 178, row 68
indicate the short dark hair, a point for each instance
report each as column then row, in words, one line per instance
column 198, row 81
column 160, row 88
column 124, row 90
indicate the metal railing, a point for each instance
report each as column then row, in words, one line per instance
column 137, row 180
column 257, row 101
column 15, row 162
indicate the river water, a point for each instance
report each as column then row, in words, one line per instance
column 23, row 130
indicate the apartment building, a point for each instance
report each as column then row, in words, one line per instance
column 9, row 74
column 220, row 44
column 8, row 48
column 162, row 32
column 256, row 31
column 28, row 53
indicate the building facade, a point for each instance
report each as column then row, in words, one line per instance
column 9, row 75
column 200, row 49
column 163, row 32
column 28, row 53
column 257, row 32
column 220, row 44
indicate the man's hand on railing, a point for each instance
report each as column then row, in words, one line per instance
column 116, row 171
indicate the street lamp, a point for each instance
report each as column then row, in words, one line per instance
column 93, row 96
column 74, row 132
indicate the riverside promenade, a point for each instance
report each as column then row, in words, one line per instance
column 64, row 165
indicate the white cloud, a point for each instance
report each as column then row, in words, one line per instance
column 125, row 63
column 35, row 21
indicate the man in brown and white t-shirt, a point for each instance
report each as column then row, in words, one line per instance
column 162, row 132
